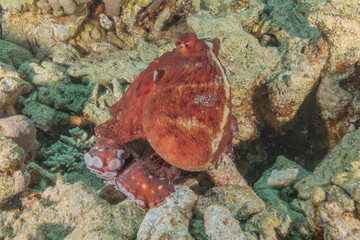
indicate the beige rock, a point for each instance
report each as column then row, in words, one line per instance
column 221, row 225
column 282, row 178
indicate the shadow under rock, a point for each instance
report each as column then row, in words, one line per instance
column 304, row 141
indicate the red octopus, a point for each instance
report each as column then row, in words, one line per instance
column 176, row 115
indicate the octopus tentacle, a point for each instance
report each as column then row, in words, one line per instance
column 141, row 185
column 106, row 158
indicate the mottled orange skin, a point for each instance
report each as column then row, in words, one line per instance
column 181, row 105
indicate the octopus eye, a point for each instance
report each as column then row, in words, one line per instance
column 158, row 74
column 97, row 162
column 88, row 159
column 114, row 164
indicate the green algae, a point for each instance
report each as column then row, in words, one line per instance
column 197, row 226
column 67, row 153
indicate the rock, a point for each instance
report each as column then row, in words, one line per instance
column 90, row 32
column 263, row 225
column 338, row 160
column 39, row 32
column 347, row 227
column 55, row 4
column 17, row 6
column 106, row 23
column 11, row 156
column 62, row 53
column 218, row 7
column 14, row 177
column 13, row 183
column 96, row 114
column 21, row 179
column 221, row 225
column 44, row 117
column 43, row 74
column 225, row 172
column 105, row 70
column 170, row 220
column 22, row 131
column 339, row 23
column 285, row 20
column 318, row 196
column 68, row 5
column 331, row 192
column 283, row 24
column 289, row 86
column 240, row 200
column 337, row 203
column 11, row 87
column 13, row 54
column 97, row 108
column 74, row 209
column 113, row 7
column 282, row 164
column 276, row 188
column 120, row 221
column 282, row 178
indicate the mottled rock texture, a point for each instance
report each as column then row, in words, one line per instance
column 220, row 224
column 22, row 131
column 337, row 179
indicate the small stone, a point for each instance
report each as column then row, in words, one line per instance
column 96, row 33
column 221, row 225
column 11, row 155
column 226, row 173
column 55, row 5
column 282, row 178
column 69, row 6
column 318, row 196
column 113, row 7
column 105, row 22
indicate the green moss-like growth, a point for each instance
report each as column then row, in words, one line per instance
column 54, row 231
column 64, row 97
column 197, row 226
column 67, row 153
column 45, row 117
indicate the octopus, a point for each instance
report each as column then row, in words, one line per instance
column 176, row 115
